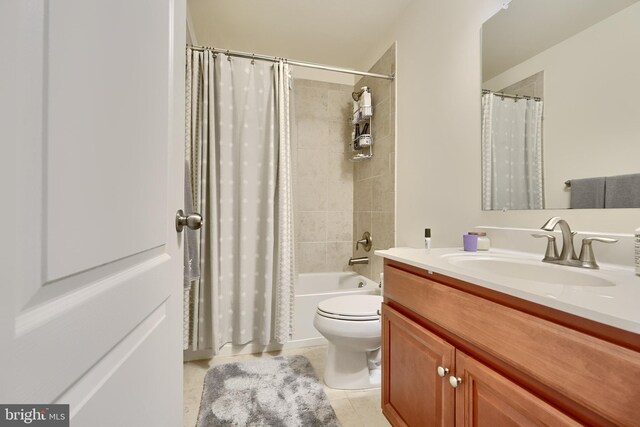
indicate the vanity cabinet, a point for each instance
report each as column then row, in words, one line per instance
column 417, row 389
column 414, row 394
column 518, row 363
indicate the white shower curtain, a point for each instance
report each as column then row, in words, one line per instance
column 247, row 265
column 286, row 262
column 511, row 153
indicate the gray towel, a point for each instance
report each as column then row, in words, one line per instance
column 587, row 193
column 191, row 256
column 622, row 191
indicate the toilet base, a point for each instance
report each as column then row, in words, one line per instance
column 352, row 370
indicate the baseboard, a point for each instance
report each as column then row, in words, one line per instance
column 191, row 355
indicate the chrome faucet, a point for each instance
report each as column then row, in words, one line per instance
column 568, row 254
column 359, row 260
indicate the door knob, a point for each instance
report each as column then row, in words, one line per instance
column 193, row 221
column 442, row 371
column 455, row 381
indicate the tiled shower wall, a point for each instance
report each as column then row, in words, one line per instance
column 374, row 180
column 323, row 177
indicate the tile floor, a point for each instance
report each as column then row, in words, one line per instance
column 353, row 408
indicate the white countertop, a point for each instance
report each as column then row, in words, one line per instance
column 617, row 305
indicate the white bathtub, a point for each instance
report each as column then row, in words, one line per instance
column 315, row 287
column 310, row 290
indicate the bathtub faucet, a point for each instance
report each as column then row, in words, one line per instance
column 359, row 260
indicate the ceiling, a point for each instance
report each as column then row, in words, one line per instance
column 529, row 27
column 332, row 32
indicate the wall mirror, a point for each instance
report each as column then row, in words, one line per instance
column 561, row 105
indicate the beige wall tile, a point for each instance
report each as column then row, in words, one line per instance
column 323, row 177
column 382, row 226
column 384, row 144
column 338, row 254
column 313, row 133
column 339, row 226
column 377, row 267
column 312, row 163
column 311, row 226
column 383, row 183
column 310, row 101
column 312, row 257
column 379, row 165
column 374, row 180
column 362, row 170
column 311, row 194
column 338, row 136
column 340, row 104
column 362, row 195
column 383, row 201
column 363, row 269
column 339, row 169
column 381, row 113
column 339, row 195
column 363, row 223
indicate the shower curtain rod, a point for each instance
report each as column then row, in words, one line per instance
column 507, row 95
column 292, row 62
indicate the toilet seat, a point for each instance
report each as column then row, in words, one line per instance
column 351, row 307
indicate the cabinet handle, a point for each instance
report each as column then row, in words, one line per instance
column 442, row 372
column 455, row 381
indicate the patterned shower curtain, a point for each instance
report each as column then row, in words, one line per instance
column 241, row 172
column 512, row 176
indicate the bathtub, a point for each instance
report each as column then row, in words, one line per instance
column 315, row 287
column 311, row 288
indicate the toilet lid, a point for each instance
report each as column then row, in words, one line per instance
column 351, row 307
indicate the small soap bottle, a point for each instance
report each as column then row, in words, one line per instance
column 637, row 246
column 483, row 241
column 427, row 238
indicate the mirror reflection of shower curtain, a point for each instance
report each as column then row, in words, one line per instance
column 242, row 181
column 512, row 176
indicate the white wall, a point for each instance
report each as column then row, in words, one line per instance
column 591, row 124
column 322, row 76
column 438, row 130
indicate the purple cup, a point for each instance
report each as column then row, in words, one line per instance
column 470, row 242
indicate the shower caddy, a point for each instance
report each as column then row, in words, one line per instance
column 362, row 145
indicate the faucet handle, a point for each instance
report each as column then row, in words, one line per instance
column 587, row 258
column 552, row 249
column 588, row 240
column 366, row 241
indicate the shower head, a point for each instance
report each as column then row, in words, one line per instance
column 356, row 95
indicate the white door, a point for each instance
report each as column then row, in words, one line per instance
column 91, row 169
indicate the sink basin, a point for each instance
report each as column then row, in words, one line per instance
column 534, row 271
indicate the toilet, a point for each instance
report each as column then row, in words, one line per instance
column 352, row 326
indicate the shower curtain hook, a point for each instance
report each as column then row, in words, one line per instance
column 253, row 58
column 228, row 56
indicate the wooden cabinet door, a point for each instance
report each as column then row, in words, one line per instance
column 486, row 398
column 412, row 392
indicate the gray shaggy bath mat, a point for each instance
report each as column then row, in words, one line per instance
column 271, row 391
